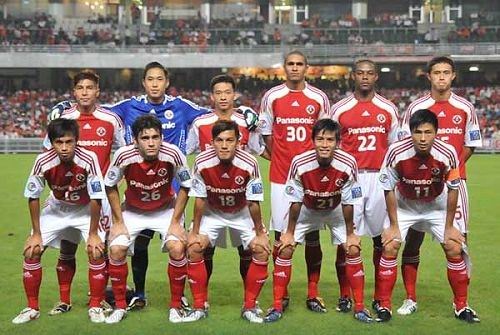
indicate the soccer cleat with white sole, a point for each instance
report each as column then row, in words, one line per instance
column 175, row 315
column 60, row 308
column 252, row 316
column 96, row 315
column 26, row 315
column 118, row 315
column 408, row 307
column 467, row 314
column 195, row 315
column 363, row 316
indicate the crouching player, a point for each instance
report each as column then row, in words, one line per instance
column 148, row 166
column 227, row 188
column 72, row 210
column 319, row 181
column 420, row 177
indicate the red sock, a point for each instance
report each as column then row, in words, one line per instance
column 458, row 279
column 281, row 277
column 32, row 278
column 377, row 253
column 66, row 267
column 255, row 279
column 345, row 289
column 118, row 272
column 314, row 256
column 97, row 281
column 275, row 256
column 356, row 276
column 409, row 270
column 177, row 273
column 387, row 276
column 197, row 274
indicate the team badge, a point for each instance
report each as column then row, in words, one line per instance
column 257, row 188
column 239, row 180
column 457, row 119
column 383, row 178
column 31, row 186
column 169, row 115
column 184, row 175
column 96, row 186
column 289, row 190
column 339, row 182
column 435, row 171
column 80, row 177
column 262, row 124
column 381, row 118
column 111, row 175
column 310, row 109
column 101, row 131
column 162, row 172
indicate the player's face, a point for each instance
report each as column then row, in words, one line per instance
column 225, row 145
column 423, row 138
column 65, row 147
column 155, row 84
column 441, row 76
column 86, row 92
column 148, row 142
column 325, row 144
column 295, row 68
column 223, row 97
column 364, row 76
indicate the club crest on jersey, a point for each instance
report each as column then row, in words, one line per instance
column 31, row 186
column 101, row 131
column 257, row 188
column 383, row 178
column 339, row 182
column 289, row 190
column 80, row 177
column 381, row 118
column 184, row 175
column 435, row 171
column 96, row 186
column 310, row 109
column 262, row 124
column 239, row 180
column 111, row 175
column 169, row 115
column 457, row 119
column 162, row 172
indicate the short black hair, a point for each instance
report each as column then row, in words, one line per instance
column 154, row 65
column 222, row 78
column 364, row 60
column 440, row 59
column 145, row 122
column 224, row 125
column 326, row 125
column 86, row 74
column 423, row 116
column 62, row 127
column 295, row 52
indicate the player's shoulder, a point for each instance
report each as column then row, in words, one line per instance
column 204, row 157
column 385, row 104
column 343, row 105
column 71, row 113
column 461, row 103
column 424, row 101
column 179, row 101
column 345, row 157
column 106, row 114
column 246, row 157
column 314, row 90
column 46, row 156
column 171, row 150
column 301, row 160
column 400, row 149
column 86, row 159
column 124, row 153
column 446, row 150
column 304, row 155
column 205, row 119
column 276, row 92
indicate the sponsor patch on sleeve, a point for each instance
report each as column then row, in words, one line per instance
column 96, row 186
column 356, row 192
column 257, row 188
column 474, row 135
column 289, row 190
column 184, row 175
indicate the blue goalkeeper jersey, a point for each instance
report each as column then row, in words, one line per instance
column 175, row 114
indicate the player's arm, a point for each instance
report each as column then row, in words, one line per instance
column 466, row 153
column 268, row 141
column 451, row 233
column 392, row 233
column 266, row 154
column 176, row 225
column 118, row 228
column 287, row 239
column 94, row 243
column 353, row 241
column 351, row 194
column 261, row 240
column 35, row 240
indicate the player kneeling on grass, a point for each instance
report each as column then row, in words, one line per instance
column 420, row 177
column 227, row 187
column 148, row 166
column 319, row 181
column 71, row 212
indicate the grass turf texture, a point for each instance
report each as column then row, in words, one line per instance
column 226, row 294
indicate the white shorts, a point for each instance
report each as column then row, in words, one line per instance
column 370, row 213
column 462, row 214
column 136, row 221
column 312, row 220
column 279, row 208
column 240, row 224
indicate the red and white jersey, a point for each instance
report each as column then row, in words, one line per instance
column 200, row 134
column 420, row 177
column 98, row 132
column 457, row 122
column 149, row 183
column 323, row 188
column 367, row 128
column 227, row 187
column 75, row 182
column 288, row 117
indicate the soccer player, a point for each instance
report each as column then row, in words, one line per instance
column 72, row 210
column 420, row 177
column 288, row 112
column 458, row 126
column 319, row 180
column 148, row 166
column 227, row 190
column 99, row 130
column 369, row 124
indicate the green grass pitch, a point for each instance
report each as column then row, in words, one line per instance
column 226, row 294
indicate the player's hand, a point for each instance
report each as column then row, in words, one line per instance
column 353, row 242
column 452, row 234
column 250, row 116
column 95, row 246
column 286, row 240
column 57, row 110
column 178, row 231
column 391, row 234
column 261, row 241
column 193, row 239
column 33, row 243
column 116, row 230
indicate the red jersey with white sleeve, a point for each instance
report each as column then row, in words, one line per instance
column 98, row 132
column 227, row 187
column 367, row 128
column 200, row 134
column 457, row 123
column 323, row 188
column 288, row 117
column 74, row 182
column 149, row 183
column 419, row 177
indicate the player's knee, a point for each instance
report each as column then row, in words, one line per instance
column 196, row 253
column 117, row 252
column 452, row 249
column 259, row 254
column 286, row 253
column 94, row 256
column 354, row 251
column 68, row 248
column 392, row 248
column 176, row 249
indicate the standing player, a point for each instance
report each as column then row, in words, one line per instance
column 458, row 126
column 228, row 191
column 288, row 113
column 320, row 180
column 420, row 177
column 369, row 124
column 99, row 130
column 73, row 175
column 148, row 166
